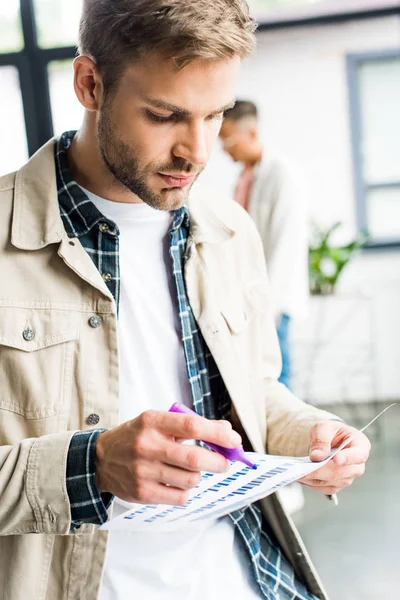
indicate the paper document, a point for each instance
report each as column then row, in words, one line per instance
column 220, row 494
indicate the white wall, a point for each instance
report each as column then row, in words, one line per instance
column 298, row 79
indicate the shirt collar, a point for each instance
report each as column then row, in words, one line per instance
column 181, row 219
column 78, row 213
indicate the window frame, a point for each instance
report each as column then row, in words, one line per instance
column 354, row 62
column 32, row 65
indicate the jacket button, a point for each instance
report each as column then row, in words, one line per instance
column 93, row 419
column 28, row 334
column 107, row 277
column 103, row 227
column 95, row 321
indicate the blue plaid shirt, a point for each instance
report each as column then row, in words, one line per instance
column 99, row 237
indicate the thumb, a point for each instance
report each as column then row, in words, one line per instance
column 320, row 441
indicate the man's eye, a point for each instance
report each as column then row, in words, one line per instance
column 158, row 118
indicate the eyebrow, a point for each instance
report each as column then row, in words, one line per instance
column 178, row 110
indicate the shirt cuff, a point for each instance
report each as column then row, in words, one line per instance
column 87, row 504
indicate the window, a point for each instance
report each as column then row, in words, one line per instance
column 37, row 97
column 67, row 112
column 11, row 39
column 57, row 22
column 13, row 149
column 374, row 85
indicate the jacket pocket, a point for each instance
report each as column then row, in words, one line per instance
column 238, row 312
column 235, row 317
column 36, row 360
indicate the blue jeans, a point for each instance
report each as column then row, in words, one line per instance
column 284, row 342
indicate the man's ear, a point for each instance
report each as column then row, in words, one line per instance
column 88, row 83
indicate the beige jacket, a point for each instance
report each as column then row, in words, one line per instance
column 50, row 385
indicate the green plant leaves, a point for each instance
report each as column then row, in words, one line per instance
column 327, row 262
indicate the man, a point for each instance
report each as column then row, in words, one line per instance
column 271, row 191
column 119, row 301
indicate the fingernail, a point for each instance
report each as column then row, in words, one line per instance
column 225, row 424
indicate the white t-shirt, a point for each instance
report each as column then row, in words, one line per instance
column 203, row 561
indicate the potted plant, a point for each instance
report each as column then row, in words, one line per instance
column 326, row 262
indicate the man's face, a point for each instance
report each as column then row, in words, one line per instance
column 237, row 140
column 157, row 129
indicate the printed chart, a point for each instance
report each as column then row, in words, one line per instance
column 220, row 494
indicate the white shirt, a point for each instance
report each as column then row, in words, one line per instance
column 204, row 560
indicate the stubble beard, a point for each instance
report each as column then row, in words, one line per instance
column 122, row 161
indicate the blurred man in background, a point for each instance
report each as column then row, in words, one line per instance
column 272, row 192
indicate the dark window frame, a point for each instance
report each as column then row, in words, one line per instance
column 354, row 62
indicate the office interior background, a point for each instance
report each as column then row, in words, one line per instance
column 326, row 79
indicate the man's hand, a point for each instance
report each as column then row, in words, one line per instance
column 143, row 461
column 348, row 464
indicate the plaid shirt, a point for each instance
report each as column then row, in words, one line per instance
column 99, row 237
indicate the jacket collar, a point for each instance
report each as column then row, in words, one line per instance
column 37, row 222
column 36, row 217
column 211, row 222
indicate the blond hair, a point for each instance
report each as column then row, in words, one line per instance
column 115, row 32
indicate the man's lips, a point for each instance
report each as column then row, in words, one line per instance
column 177, row 180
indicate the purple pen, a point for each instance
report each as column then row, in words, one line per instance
column 229, row 453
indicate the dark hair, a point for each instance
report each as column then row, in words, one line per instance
column 242, row 109
column 115, row 32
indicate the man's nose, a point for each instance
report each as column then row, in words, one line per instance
column 192, row 145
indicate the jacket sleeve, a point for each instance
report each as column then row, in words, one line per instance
column 289, row 420
column 33, row 493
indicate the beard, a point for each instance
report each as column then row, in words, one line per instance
column 122, row 160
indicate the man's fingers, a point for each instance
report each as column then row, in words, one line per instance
column 328, row 491
column 339, row 484
column 331, row 473
column 157, row 493
column 320, row 440
column 157, row 472
column 224, row 423
column 178, row 478
column 345, row 466
column 193, row 458
column 221, row 422
column 194, row 427
column 353, row 455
